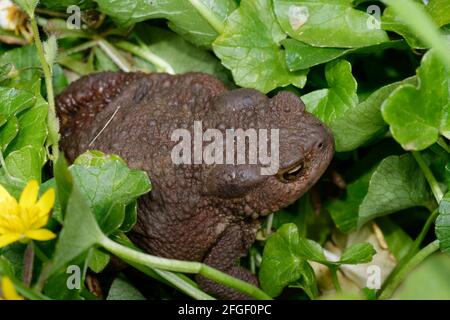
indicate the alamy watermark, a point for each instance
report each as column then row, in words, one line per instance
column 230, row 148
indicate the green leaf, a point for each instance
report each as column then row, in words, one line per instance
column 300, row 56
column 418, row 115
column 363, row 122
column 195, row 20
column 329, row 104
column 345, row 211
column 109, row 186
column 429, row 281
column 28, row 6
column 250, row 48
column 14, row 101
column 98, row 260
column 33, row 128
column 325, row 23
column 122, row 290
column 80, row 231
column 357, row 253
column 62, row 5
column 26, row 163
column 443, row 224
column 171, row 53
column 439, row 10
column 312, row 251
column 398, row 241
column 6, row 267
column 64, row 184
column 282, row 263
column 8, row 132
column 397, row 184
column 21, row 58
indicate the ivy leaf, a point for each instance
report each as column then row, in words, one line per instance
column 358, row 253
column 439, row 11
column 122, row 290
column 300, row 55
column 363, row 122
column 8, row 132
column 109, row 186
column 26, row 163
column 14, row 101
column 250, row 48
column 32, row 127
column 98, row 260
column 418, row 115
column 397, row 184
column 345, row 211
column 80, row 231
column 443, row 224
column 329, row 104
column 173, row 54
column 282, row 263
column 323, row 23
column 194, row 20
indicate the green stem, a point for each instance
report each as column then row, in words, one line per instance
column 269, row 225
column 147, row 55
column 416, row 245
column 434, row 185
column 181, row 266
column 387, row 291
column 335, row 279
column 52, row 120
column 114, row 55
column 84, row 46
column 441, row 142
column 208, row 15
column 422, row 25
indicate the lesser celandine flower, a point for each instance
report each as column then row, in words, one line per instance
column 24, row 220
column 9, row 291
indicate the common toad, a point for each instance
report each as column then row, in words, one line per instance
column 200, row 212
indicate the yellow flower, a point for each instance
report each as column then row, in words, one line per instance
column 8, row 290
column 24, row 220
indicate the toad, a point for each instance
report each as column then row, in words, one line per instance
column 197, row 211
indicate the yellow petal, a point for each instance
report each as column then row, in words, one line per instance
column 8, row 238
column 40, row 234
column 8, row 290
column 46, row 202
column 4, row 195
column 29, row 194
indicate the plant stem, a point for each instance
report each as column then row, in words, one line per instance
column 441, row 142
column 208, row 15
column 181, row 266
column 269, row 225
column 335, row 279
column 114, row 55
column 416, row 245
column 390, row 288
column 147, row 55
column 28, row 264
column 435, row 188
column 422, row 25
column 52, row 120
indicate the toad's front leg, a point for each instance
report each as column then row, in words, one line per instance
column 224, row 255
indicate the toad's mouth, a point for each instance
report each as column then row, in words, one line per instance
column 293, row 172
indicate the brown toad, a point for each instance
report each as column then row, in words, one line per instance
column 201, row 212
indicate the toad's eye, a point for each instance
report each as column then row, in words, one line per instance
column 292, row 173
